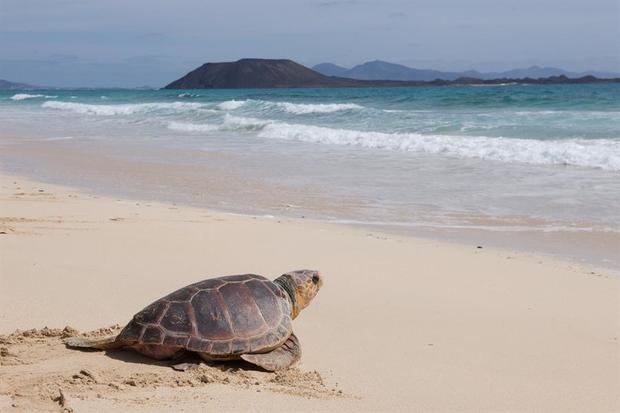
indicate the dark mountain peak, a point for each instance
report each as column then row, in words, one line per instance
column 588, row 78
column 380, row 63
column 380, row 69
column 330, row 69
column 261, row 60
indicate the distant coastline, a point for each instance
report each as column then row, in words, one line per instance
column 284, row 73
column 382, row 70
column 257, row 73
column 7, row 85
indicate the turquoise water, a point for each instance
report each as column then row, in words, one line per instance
column 565, row 125
column 508, row 158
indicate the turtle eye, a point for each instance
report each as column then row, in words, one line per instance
column 315, row 278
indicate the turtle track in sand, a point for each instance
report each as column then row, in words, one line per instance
column 38, row 373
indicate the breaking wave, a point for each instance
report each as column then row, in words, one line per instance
column 306, row 108
column 590, row 153
column 593, row 153
column 289, row 107
column 191, row 127
column 229, row 123
column 231, row 104
column 484, row 135
column 126, row 109
column 24, row 96
column 188, row 95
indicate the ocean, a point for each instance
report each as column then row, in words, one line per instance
column 532, row 164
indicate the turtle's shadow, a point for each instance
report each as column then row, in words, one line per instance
column 131, row 356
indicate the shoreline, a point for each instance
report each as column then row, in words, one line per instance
column 108, row 173
column 461, row 328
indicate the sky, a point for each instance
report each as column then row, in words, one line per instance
column 132, row 43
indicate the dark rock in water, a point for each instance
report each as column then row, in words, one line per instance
column 284, row 73
column 255, row 73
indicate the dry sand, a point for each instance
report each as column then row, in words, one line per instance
column 401, row 324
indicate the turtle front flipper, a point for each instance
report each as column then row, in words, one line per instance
column 278, row 359
column 106, row 343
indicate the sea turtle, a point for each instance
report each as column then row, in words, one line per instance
column 225, row 318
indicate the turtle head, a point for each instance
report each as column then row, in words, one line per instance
column 301, row 286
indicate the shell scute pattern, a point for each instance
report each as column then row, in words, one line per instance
column 245, row 318
column 183, row 294
column 209, row 284
column 211, row 315
column 176, row 319
column 132, row 332
column 152, row 335
column 220, row 316
column 220, row 347
column 242, row 278
column 152, row 313
column 267, row 300
column 176, row 341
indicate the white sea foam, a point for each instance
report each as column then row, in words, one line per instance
column 125, row 109
column 230, row 123
column 231, row 104
column 593, row 153
column 306, row 108
column 206, row 110
column 294, row 108
column 230, row 120
column 497, row 84
column 192, row 127
column 24, row 96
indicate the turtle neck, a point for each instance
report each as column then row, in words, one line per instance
column 286, row 283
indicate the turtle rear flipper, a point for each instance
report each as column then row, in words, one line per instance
column 105, row 343
column 278, row 359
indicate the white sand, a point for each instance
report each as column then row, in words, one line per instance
column 401, row 324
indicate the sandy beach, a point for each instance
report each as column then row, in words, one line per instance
column 401, row 324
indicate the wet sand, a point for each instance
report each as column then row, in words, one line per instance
column 223, row 181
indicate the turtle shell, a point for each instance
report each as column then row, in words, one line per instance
column 223, row 317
